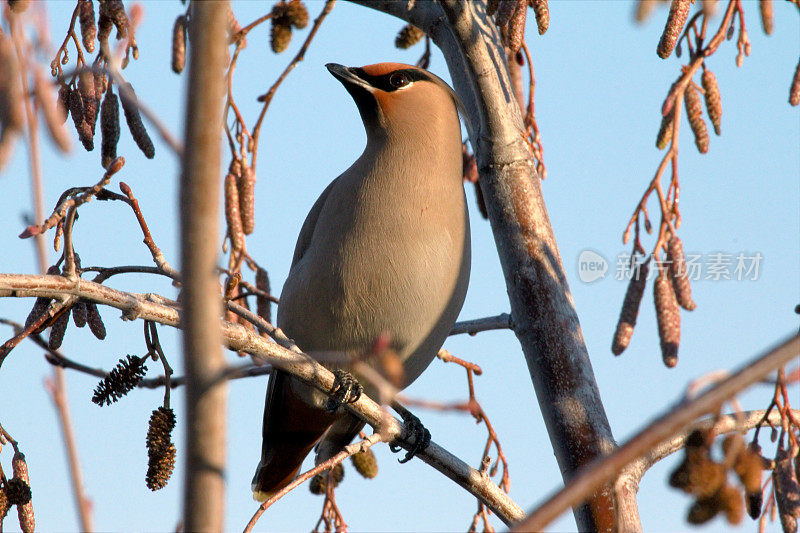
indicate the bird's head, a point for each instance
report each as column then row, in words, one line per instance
column 393, row 97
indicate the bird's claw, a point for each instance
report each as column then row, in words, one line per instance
column 421, row 437
column 346, row 389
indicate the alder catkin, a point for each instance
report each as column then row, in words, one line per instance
column 76, row 109
column 694, row 113
column 630, row 309
column 88, row 24
column 130, row 106
column 27, row 522
column 767, row 16
column 280, row 37
column 247, row 203
column 643, row 9
column 365, row 463
column 63, row 102
column 109, row 128
column 408, row 37
column 232, row 215
column 94, row 319
column 678, row 13
column 787, row 490
column 91, row 103
column 51, row 112
column 679, row 274
column 263, row 304
column 668, row 317
column 179, row 44
column 542, row 12
column 794, row 90
column 58, row 329
column 516, row 27
column 114, row 11
column 713, row 100
column 664, row 135
column 297, row 14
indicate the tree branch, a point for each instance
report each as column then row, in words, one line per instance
column 239, row 338
column 660, row 434
column 545, row 320
column 206, row 420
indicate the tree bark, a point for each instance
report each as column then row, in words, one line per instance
column 204, row 492
column 545, row 320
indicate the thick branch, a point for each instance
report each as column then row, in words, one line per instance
column 545, row 319
column 204, row 493
column 239, row 338
column 662, row 429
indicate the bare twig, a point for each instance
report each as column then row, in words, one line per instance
column 473, row 327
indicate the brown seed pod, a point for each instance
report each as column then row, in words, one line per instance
column 408, row 37
column 51, row 112
column 713, row 100
column 542, row 12
column 317, row 484
column 79, row 314
column 88, row 25
column 365, row 463
column 678, row 13
column 109, row 128
column 130, row 105
column 767, row 16
column 18, row 6
column 694, row 112
column 263, row 305
column 664, row 135
column 160, row 449
column 516, row 27
column 95, row 321
column 280, row 37
column 39, row 308
column 114, row 10
column 58, row 329
column 297, row 14
column 703, row 510
column 76, row 109
column 794, row 90
column 787, row 490
column 630, row 309
column 27, row 522
column 679, row 273
column 731, row 503
column 179, row 44
column 232, row 215
column 247, row 203
column 17, row 491
column 669, row 319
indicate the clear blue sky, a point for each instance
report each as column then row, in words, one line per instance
column 599, row 90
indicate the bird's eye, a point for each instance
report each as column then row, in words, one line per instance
column 398, row 80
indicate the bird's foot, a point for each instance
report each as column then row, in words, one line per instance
column 417, row 434
column 346, row 389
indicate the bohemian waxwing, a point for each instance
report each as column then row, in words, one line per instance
column 384, row 250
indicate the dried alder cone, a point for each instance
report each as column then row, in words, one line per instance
column 160, row 449
column 678, row 13
column 668, row 317
column 286, row 15
column 120, row 381
column 630, row 309
column 365, row 463
column 694, row 112
column 408, row 37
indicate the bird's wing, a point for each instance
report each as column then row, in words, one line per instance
column 307, row 231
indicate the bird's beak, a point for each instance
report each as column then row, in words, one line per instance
column 347, row 76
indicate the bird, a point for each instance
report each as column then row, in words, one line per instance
column 384, row 251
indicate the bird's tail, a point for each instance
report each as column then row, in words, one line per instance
column 291, row 428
